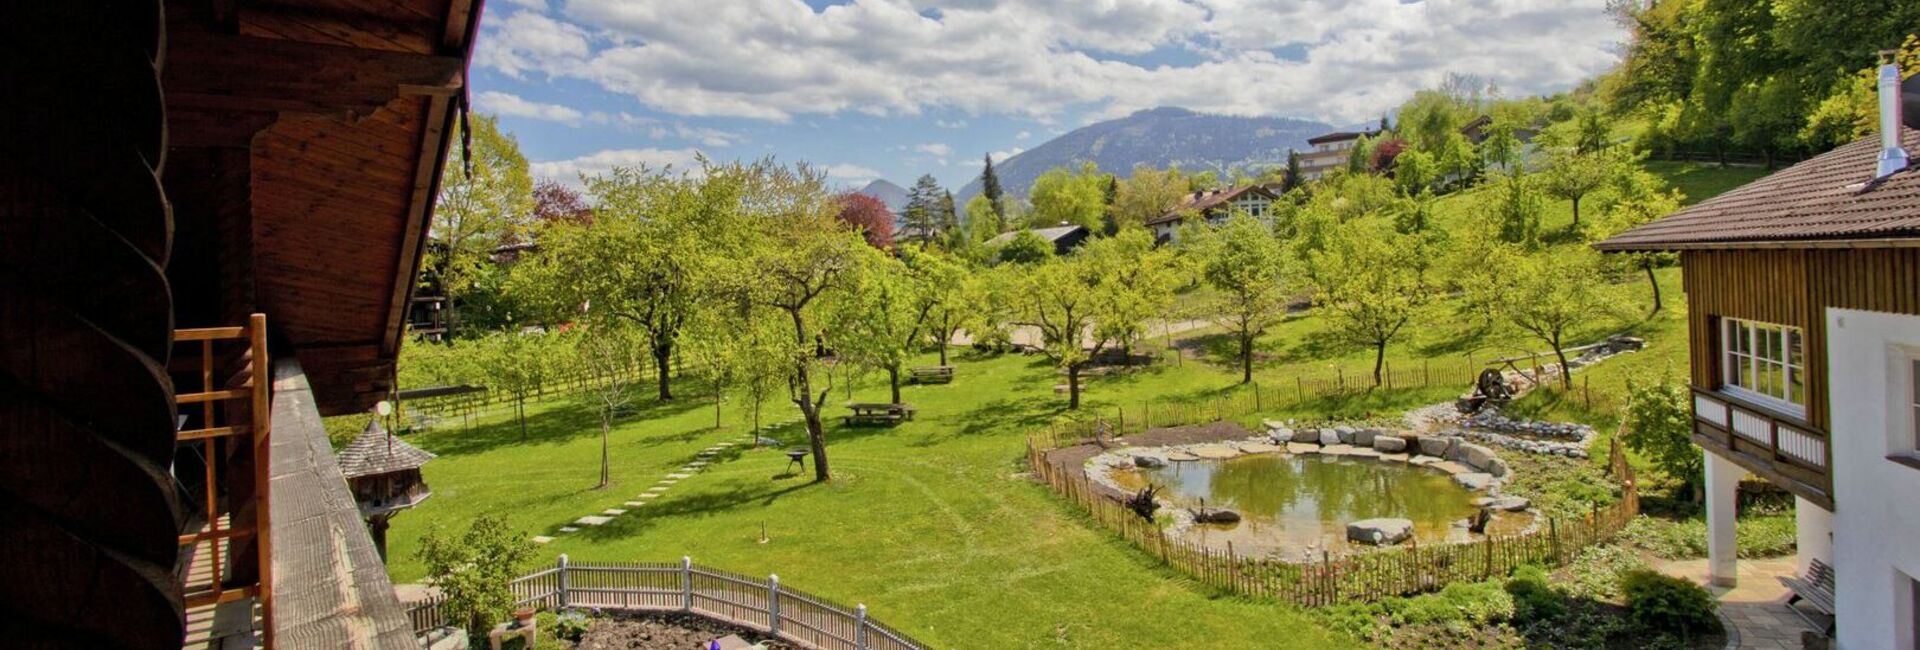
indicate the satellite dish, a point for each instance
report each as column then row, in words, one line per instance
column 383, row 408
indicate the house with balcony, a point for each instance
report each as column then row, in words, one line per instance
column 212, row 216
column 1329, row 152
column 1803, row 293
column 1213, row 206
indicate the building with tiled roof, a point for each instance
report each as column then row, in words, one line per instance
column 1803, row 298
column 1214, row 206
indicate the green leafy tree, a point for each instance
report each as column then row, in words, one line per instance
column 944, row 285
column 474, row 571
column 1659, row 427
column 877, row 321
column 1636, row 197
column 1146, row 194
column 1025, row 248
column 1246, row 266
column 1293, row 177
column 1062, row 196
column 1110, row 194
column 1060, row 299
column 1370, row 285
column 518, row 365
column 483, row 196
column 1571, row 175
column 1136, row 283
column 1517, row 209
column 1554, row 291
column 1414, row 172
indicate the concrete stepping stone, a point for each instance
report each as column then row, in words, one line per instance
column 1363, row 452
column 723, row 444
column 1181, row 456
column 1302, row 448
column 613, row 512
column 1396, row 458
column 650, row 495
column 592, row 520
column 1451, row 467
column 541, row 539
column 568, row 529
column 679, row 476
column 697, row 463
column 634, row 504
column 667, row 482
column 1337, row 450
column 1259, row 448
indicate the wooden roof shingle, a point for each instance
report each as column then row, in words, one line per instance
column 374, row 452
column 1831, row 199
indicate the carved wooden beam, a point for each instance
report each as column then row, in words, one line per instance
column 230, row 73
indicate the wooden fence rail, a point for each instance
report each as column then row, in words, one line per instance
column 792, row 615
column 1331, row 579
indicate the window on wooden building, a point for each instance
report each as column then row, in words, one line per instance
column 1764, row 362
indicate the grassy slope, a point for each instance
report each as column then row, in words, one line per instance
column 926, row 523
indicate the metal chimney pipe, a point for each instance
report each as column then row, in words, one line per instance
column 1892, row 157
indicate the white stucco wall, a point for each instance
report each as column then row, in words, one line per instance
column 1876, row 526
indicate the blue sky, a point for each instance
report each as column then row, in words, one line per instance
column 895, row 89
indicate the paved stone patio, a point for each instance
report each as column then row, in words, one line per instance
column 1757, row 607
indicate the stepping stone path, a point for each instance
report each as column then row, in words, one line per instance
column 701, row 461
column 1215, row 452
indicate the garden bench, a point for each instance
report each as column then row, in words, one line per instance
column 880, row 414
column 931, row 375
column 1816, row 589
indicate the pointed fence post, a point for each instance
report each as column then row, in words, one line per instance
column 773, row 604
column 563, row 580
column 686, row 583
column 860, row 627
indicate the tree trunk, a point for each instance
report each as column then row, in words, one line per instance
column 893, row 381
column 1246, row 357
column 1651, row 282
column 717, row 393
column 944, row 339
column 1566, row 372
column 662, row 361
column 817, row 440
column 1576, row 213
column 1073, row 387
column 1379, row 361
column 520, row 408
column 606, row 427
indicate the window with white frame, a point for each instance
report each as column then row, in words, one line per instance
column 1765, row 362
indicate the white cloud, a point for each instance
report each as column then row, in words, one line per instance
column 1003, row 155
column 934, row 148
column 955, row 124
column 852, row 174
column 778, row 59
column 1023, row 135
column 536, row 5
column 509, row 104
column 597, row 163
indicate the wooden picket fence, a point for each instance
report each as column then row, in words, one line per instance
column 1333, row 579
column 763, row 604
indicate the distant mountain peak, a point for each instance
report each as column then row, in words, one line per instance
column 1159, row 137
column 894, row 196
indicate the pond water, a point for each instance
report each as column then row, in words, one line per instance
column 1292, row 503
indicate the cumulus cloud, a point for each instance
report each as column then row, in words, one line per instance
column 509, row 104
column 1023, row 135
column 1339, row 60
column 934, row 148
column 597, row 163
column 851, row 174
column 998, row 156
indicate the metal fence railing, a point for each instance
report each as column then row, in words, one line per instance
column 762, row 604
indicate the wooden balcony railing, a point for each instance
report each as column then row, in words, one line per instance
column 1789, row 451
column 230, row 415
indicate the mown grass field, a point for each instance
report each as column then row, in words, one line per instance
column 930, row 523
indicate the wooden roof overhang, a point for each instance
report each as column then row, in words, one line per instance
column 330, row 121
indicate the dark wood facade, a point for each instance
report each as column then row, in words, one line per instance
column 1794, row 287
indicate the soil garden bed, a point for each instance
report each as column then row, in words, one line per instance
column 650, row 631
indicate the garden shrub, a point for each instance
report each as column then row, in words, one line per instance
column 1534, row 598
column 1665, row 604
column 1659, row 426
column 1597, row 570
column 1757, row 536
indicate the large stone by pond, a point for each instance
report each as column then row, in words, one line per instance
column 1475, row 455
column 1509, row 504
column 1384, row 531
column 1498, row 468
column 1363, row 452
column 1474, row 480
column 1213, row 452
column 1451, row 467
column 1306, row 435
column 1329, row 437
column 1345, row 433
column 1364, row 437
column 1260, row 448
column 1436, row 446
column 1390, row 444
column 1336, row 450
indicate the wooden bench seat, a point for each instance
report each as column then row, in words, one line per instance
column 1816, row 590
column 878, row 414
column 931, row 375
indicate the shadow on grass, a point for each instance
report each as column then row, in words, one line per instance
column 558, row 420
column 642, row 520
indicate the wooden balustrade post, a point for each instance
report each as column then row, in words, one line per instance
column 773, row 604
column 562, row 569
column 860, row 627
column 686, row 583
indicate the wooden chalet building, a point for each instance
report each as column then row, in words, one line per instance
column 1803, row 294
column 1213, row 206
column 211, row 220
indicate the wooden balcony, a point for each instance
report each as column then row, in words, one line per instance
column 226, row 426
column 1785, row 450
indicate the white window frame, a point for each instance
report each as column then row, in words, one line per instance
column 1903, row 384
column 1763, row 354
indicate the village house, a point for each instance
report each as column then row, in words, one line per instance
column 1214, row 206
column 1329, row 152
column 1803, row 290
column 1065, row 237
column 214, row 216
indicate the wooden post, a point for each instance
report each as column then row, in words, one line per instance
column 261, row 411
column 563, row 580
column 686, row 583
column 860, row 627
column 773, row 604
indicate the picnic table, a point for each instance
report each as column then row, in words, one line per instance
column 864, row 413
column 931, row 375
